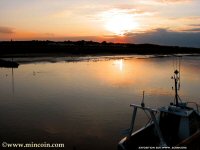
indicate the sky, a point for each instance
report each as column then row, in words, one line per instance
column 165, row 22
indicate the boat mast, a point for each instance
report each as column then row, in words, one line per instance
column 13, row 80
column 176, row 78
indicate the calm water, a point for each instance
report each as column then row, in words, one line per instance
column 85, row 104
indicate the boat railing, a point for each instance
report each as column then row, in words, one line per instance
column 153, row 118
column 144, row 108
column 196, row 105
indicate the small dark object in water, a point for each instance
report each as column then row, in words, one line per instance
column 8, row 64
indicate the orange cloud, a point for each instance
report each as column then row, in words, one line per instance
column 6, row 30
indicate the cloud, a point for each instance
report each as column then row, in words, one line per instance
column 6, row 30
column 158, row 2
column 173, row 1
column 193, row 30
column 166, row 37
column 49, row 34
column 195, row 25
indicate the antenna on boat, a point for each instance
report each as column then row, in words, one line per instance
column 176, row 79
column 142, row 103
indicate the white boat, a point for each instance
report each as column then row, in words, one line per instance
column 170, row 127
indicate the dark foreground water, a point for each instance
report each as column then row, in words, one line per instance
column 84, row 102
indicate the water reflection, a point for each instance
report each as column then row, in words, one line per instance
column 86, row 104
column 119, row 64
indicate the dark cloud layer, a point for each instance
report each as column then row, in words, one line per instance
column 166, row 37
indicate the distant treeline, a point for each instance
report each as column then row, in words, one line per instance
column 87, row 47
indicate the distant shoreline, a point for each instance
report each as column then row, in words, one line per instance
column 84, row 48
column 15, row 62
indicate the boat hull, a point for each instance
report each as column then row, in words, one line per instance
column 143, row 137
column 146, row 137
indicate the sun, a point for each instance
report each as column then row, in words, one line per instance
column 119, row 22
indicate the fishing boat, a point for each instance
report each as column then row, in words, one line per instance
column 176, row 126
column 8, row 64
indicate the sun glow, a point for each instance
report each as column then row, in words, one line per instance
column 119, row 22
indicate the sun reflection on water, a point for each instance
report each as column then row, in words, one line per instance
column 120, row 64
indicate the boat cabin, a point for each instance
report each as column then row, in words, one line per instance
column 178, row 123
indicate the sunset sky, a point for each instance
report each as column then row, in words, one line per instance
column 166, row 22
